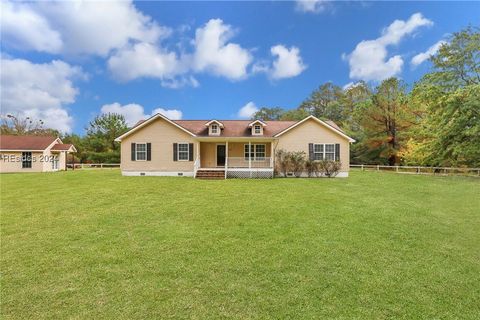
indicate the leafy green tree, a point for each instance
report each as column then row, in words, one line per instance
column 325, row 103
column 267, row 114
column 449, row 134
column 294, row 114
column 101, row 133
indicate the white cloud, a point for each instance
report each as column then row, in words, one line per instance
column 40, row 91
column 247, row 111
column 144, row 60
column 288, row 62
column 215, row 55
column 77, row 27
column 422, row 57
column 23, row 28
column 172, row 114
column 313, row 6
column 369, row 60
column 134, row 112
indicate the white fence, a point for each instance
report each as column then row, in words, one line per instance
column 419, row 170
column 93, row 165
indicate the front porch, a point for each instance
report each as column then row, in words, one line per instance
column 234, row 159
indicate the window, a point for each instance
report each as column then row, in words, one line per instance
column 26, row 160
column 324, row 151
column 183, row 152
column 318, row 152
column 214, row 128
column 329, row 152
column 257, row 129
column 55, row 163
column 256, row 153
column 141, row 152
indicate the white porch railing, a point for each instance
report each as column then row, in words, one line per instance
column 240, row 162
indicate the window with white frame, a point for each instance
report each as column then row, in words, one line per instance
column 257, row 152
column 183, row 152
column 257, row 129
column 329, row 152
column 318, row 151
column 141, row 151
column 214, row 128
column 324, row 151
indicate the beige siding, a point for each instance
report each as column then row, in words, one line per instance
column 162, row 135
column 12, row 162
column 298, row 138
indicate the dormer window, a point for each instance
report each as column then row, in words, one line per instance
column 214, row 127
column 257, row 127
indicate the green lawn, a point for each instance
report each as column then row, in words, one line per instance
column 94, row 244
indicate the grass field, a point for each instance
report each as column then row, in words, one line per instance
column 94, row 244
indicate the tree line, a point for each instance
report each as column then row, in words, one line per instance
column 434, row 122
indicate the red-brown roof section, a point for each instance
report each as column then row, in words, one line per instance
column 8, row 142
column 238, row 128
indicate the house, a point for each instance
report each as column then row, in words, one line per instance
column 33, row 153
column 226, row 148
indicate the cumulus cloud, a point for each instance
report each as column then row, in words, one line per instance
column 40, row 91
column 214, row 54
column 23, row 28
column 144, row 60
column 288, row 62
column 312, row 6
column 247, row 111
column 134, row 112
column 422, row 57
column 77, row 27
column 369, row 60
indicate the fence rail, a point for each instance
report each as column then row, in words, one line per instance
column 419, row 169
column 240, row 162
column 93, row 165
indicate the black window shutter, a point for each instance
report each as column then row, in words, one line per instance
column 190, row 152
column 311, row 156
column 175, row 154
column 337, row 152
column 133, row 151
column 149, row 151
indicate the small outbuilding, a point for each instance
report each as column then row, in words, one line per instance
column 33, row 153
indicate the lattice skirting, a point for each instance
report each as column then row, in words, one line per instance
column 249, row 174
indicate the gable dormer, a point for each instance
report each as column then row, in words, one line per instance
column 256, row 127
column 214, row 127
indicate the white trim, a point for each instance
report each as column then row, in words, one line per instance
column 254, row 151
column 257, row 121
column 320, row 122
column 136, row 151
column 158, row 173
column 324, row 151
column 178, row 151
column 151, row 119
column 216, row 121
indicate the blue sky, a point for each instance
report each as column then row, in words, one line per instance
column 67, row 62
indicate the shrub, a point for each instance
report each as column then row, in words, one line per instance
column 297, row 159
column 328, row 168
column 311, row 167
column 283, row 161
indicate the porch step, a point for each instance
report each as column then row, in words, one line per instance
column 211, row 174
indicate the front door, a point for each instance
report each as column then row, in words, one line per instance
column 220, row 155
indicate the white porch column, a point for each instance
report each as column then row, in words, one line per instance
column 272, row 154
column 250, row 158
column 226, row 155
